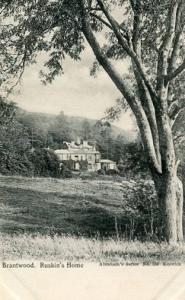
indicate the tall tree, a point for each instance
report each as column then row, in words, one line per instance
column 149, row 33
column 14, row 142
column 86, row 130
column 60, row 130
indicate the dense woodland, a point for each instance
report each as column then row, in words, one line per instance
column 28, row 140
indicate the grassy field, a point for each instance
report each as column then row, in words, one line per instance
column 71, row 206
column 70, row 248
column 48, row 219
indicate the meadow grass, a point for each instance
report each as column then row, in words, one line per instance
column 71, row 248
column 72, row 206
column 52, row 219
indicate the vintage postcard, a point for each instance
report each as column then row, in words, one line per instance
column 92, row 148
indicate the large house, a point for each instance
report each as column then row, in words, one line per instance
column 78, row 153
column 83, row 152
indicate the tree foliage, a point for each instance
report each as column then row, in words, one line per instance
column 18, row 154
column 14, row 142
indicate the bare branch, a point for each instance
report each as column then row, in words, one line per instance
column 171, row 24
column 165, row 48
column 175, row 109
column 129, row 51
column 144, row 94
column 149, row 109
column 177, row 165
column 179, row 70
column 176, row 42
column 172, row 60
column 137, row 23
column 101, row 19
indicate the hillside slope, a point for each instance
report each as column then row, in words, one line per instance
column 66, row 206
column 44, row 121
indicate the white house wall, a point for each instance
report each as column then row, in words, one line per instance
column 84, row 152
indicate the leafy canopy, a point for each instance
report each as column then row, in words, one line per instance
column 29, row 27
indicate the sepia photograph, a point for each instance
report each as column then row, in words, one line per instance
column 92, row 149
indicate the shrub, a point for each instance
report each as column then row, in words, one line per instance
column 66, row 172
column 83, row 165
column 101, row 172
column 112, row 172
column 140, row 212
column 45, row 163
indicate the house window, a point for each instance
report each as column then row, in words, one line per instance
column 97, row 157
column 77, row 166
column 89, row 166
column 90, row 157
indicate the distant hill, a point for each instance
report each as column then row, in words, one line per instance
column 44, row 121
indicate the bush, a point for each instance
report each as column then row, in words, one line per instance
column 66, row 172
column 45, row 163
column 83, row 165
column 112, row 172
column 140, row 214
column 101, row 172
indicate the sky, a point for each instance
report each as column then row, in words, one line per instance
column 76, row 93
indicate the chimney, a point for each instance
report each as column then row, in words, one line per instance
column 94, row 145
column 78, row 140
column 85, row 144
column 72, row 143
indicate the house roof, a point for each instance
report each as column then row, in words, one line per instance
column 72, row 148
column 107, row 161
column 76, row 151
column 61, row 151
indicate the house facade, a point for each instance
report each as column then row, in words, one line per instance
column 81, row 153
column 77, row 154
column 107, row 164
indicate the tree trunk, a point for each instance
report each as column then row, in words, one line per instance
column 179, row 209
column 168, row 185
column 170, row 199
